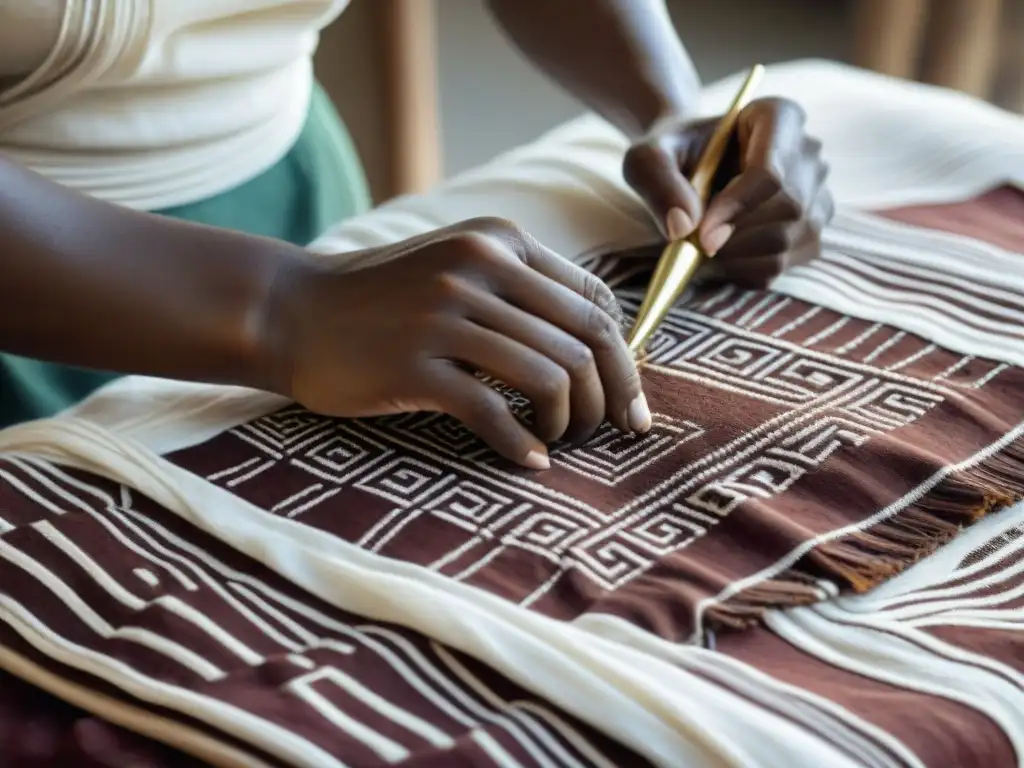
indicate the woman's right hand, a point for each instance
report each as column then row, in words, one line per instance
column 408, row 334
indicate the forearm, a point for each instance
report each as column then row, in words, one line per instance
column 621, row 58
column 90, row 284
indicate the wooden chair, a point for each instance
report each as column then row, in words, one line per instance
column 976, row 46
column 958, row 44
column 408, row 29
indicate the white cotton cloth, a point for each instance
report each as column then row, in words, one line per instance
column 888, row 143
column 566, row 189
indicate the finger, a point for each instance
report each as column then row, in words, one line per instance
column 761, row 265
column 688, row 153
column 780, row 209
column 758, row 272
column 544, row 383
column 586, row 405
column 486, row 413
column 653, row 172
column 779, row 225
column 764, row 240
column 574, row 300
column 626, row 406
column 770, row 137
column 805, row 178
column 539, row 258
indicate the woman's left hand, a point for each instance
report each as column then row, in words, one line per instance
column 770, row 200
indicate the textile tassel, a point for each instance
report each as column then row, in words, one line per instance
column 862, row 560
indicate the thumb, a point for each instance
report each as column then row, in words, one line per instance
column 743, row 195
column 766, row 134
column 654, row 174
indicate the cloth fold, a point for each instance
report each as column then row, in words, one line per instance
column 296, row 590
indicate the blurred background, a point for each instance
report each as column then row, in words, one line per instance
column 437, row 89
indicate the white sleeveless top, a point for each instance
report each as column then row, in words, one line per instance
column 155, row 103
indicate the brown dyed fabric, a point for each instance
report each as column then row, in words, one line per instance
column 940, row 732
column 996, row 217
column 776, row 423
column 792, row 445
column 446, row 697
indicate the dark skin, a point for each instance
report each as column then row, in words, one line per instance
column 113, row 289
column 101, row 286
column 93, row 285
column 623, row 61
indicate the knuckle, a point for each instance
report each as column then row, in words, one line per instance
column 767, row 180
column 478, row 250
column 780, row 239
column 488, row 408
column 449, row 289
column 777, row 266
column 496, row 230
column 466, row 244
column 600, row 328
column 594, row 290
column 552, row 384
column 631, row 381
column 430, row 331
column 789, row 207
column 766, row 105
column 643, row 152
column 638, row 160
column 578, row 359
column 450, row 293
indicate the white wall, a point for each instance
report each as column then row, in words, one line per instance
column 491, row 100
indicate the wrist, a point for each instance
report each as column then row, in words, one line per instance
column 266, row 336
column 671, row 105
column 651, row 107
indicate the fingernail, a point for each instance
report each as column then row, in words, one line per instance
column 678, row 223
column 537, row 460
column 716, row 238
column 639, row 415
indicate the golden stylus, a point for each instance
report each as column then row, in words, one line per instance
column 681, row 258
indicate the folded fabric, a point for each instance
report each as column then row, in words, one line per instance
column 879, row 446
column 258, row 586
column 794, row 449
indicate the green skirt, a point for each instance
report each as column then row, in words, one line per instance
column 318, row 183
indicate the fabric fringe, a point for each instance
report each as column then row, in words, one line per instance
column 863, row 560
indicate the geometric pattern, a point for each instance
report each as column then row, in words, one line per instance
column 92, row 566
column 613, row 508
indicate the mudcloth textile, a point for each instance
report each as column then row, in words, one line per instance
column 798, row 453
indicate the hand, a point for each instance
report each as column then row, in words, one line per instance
column 410, row 333
column 770, row 200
